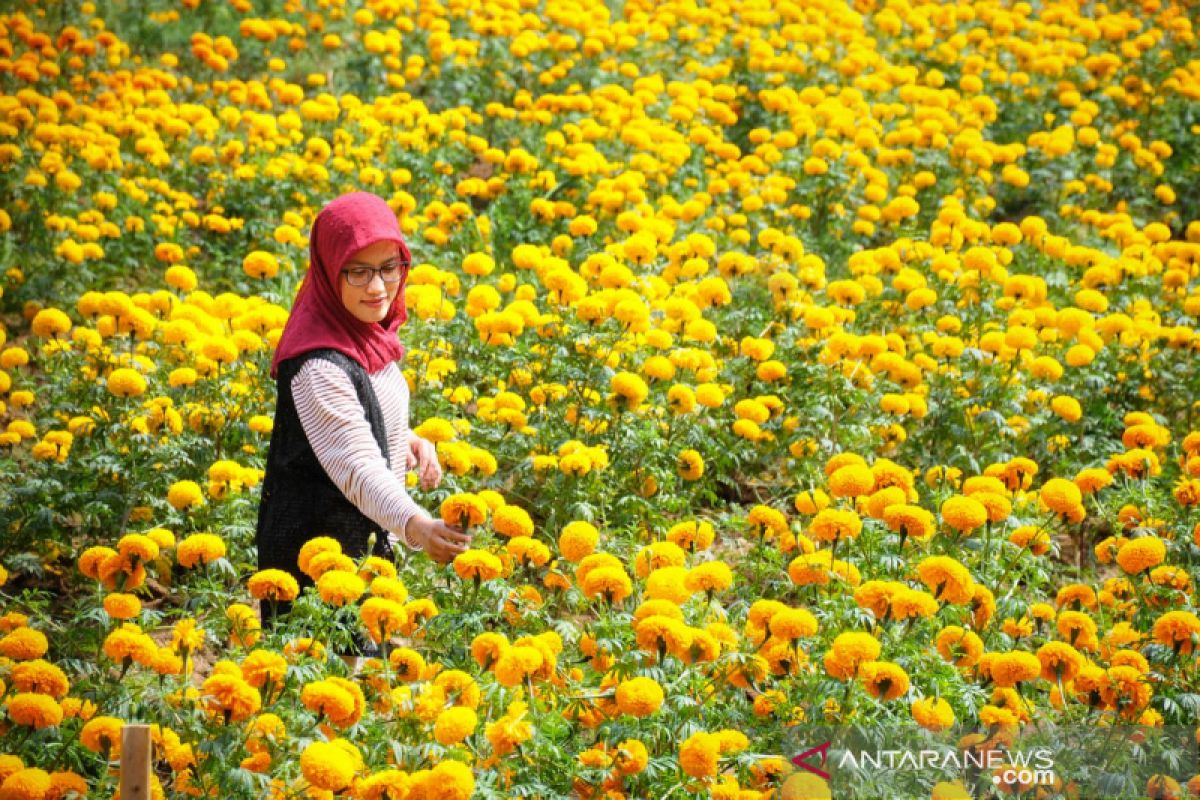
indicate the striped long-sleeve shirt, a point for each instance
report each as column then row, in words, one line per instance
column 341, row 438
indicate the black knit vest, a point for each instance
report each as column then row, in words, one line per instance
column 299, row 500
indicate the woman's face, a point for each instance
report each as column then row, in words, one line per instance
column 370, row 303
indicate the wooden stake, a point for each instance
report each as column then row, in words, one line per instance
column 135, row 762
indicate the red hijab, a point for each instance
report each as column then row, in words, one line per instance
column 319, row 319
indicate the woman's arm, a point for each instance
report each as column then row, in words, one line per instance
column 332, row 418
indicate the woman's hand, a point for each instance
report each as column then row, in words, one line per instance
column 441, row 541
column 422, row 456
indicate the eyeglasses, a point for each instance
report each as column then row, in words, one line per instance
column 389, row 272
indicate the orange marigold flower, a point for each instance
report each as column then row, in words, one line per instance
column 34, row 710
column 273, row 584
column 1139, row 555
column 883, row 679
column 947, row 579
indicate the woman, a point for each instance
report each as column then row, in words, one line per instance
column 341, row 444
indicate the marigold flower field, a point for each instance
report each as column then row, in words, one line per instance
column 788, row 361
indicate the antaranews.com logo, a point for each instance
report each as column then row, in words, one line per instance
column 852, row 763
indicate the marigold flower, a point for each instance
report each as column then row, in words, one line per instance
column 199, row 548
column 610, row 582
column 1009, row 669
column 34, row 710
column 327, row 766
column 964, row 514
column 639, row 697
column 1179, row 630
column 40, row 676
column 338, row 588
column 932, row 713
column 273, row 584
column 231, row 696
column 832, row 524
column 382, row 617
column 690, row 465
column 578, row 540
column 852, row 480
column 102, row 735
column 185, row 494
column 478, row 565
column 883, row 679
column 454, row 724
column 121, row 606
column 711, row 576
column 790, row 624
column 464, row 510
column 699, row 754
column 29, row 783
column 948, row 580
column 848, row 651
column 668, row 583
column 1139, row 555
column 961, row 647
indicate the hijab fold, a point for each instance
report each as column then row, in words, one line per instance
column 319, row 319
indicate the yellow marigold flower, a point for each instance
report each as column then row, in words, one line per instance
column 381, row 617
column 710, row 577
column 518, row 663
column 339, row 588
column 911, row 522
column 933, row 713
column 1034, row 537
column 629, row 387
column 1092, row 480
column 964, row 514
column 1009, row 669
column 848, row 651
column 273, row 584
column 948, row 580
column 668, row 583
column 263, row 666
column 49, row 323
column 341, row 701
column 122, row 606
column 478, row 565
column 833, row 524
column 1060, row 661
column 408, row 664
column 791, row 624
column 1179, row 630
column 510, row 520
column 578, row 540
column 1066, row 407
column 260, row 264
column 699, row 754
column 41, row 677
column 126, row 382
column 34, row 710
column 810, row 503
column 464, row 510
column 639, row 697
column 24, row 644
column 328, row 766
column 454, row 724
column 691, row 536
column 1139, row 555
column 852, row 480
column 185, row 494
column 1061, row 496
column 690, row 465
column 766, row 522
column 231, row 696
column 883, row 679
column 449, row 780
column 611, row 583
column 661, row 554
column 199, row 548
